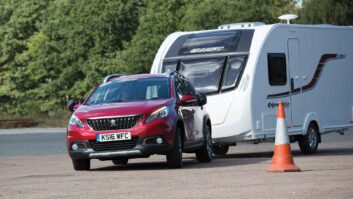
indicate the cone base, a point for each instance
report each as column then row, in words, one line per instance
column 283, row 168
column 282, row 160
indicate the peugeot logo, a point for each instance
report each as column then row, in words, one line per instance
column 113, row 122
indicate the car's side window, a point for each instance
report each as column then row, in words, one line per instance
column 178, row 88
column 189, row 89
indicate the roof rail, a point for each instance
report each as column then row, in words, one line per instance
column 110, row 77
column 240, row 25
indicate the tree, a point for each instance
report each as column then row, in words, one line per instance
column 158, row 19
column 209, row 14
column 86, row 36
column 68, row 51
column 18, row 22
column 338, row 12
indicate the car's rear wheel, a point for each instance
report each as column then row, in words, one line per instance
column 220, row 149
column 175, row 156
column 205, row 153
column 120, row 162
column 81, row 164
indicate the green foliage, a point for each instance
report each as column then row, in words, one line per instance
column 84, row 37
column 63, row 50
column 209, row 14
column 158, row 19
column 18, row 23
column 338, row 12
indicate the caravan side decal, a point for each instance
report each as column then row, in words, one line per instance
column 320, row 67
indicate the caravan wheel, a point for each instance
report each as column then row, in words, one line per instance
column 308, row 143
column 220, row 149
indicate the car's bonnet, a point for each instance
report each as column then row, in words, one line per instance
column 121, row 108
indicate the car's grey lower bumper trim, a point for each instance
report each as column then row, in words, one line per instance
column 99, row 155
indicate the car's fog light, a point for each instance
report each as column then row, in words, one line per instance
column 159, row 140
column 153, row 140
column 74, row 147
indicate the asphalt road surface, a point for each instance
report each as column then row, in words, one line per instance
column 34, row 164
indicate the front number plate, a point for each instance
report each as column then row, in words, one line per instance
column 113, row 137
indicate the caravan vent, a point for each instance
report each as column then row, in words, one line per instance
column 288, row 17
column 240, row 25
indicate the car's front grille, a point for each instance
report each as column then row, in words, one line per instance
column 115, row 145
column 114, row 123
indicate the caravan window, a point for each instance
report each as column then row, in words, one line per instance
column 212, row 42
column 207, row 74
column 204, row 73
column 277, row 72
column 233, row 68
column 169, row 65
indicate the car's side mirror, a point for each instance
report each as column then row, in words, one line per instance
column 201, row 99
column 187, row 99
column 72, row 105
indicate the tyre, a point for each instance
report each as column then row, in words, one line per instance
column 81, row 164
column 175, row 156
column 120, row 162
column 205, row 153
column 308, row 143
column 220, row 149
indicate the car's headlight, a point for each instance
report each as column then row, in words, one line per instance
column 160, row 113
column 75, row 121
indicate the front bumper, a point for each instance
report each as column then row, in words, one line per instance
column 143, row 148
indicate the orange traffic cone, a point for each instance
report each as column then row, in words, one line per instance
column 282, row 160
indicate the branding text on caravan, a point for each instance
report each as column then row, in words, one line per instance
column 205, row 50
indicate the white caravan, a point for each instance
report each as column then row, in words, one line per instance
column 245, row 69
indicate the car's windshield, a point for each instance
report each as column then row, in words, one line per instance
column 131, row 90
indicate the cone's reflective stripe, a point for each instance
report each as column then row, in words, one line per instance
column 281, row 132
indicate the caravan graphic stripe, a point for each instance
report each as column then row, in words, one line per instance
column 320, row 67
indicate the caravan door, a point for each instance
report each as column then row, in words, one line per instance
column 295, row 75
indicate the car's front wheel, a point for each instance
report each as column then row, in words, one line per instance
column 120, row 162
column 205, row 153
column 175, row 156
column 81, row 164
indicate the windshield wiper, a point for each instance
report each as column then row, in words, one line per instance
column 154, row 98
column 114, row 101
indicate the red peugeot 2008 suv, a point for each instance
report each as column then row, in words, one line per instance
column 138, row 116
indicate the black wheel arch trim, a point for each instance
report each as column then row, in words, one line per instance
column 206, row 118
column 177, row 120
